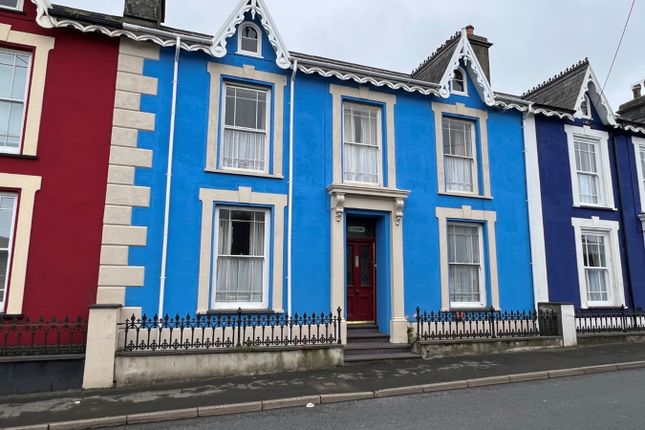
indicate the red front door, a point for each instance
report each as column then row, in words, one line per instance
column 360, row 276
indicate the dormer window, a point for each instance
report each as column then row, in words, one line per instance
column 249, row 42
column 458, row 83
column 11, row 4
column 585, row 107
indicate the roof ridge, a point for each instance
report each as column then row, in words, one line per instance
column 432, row 56
column 574, row 67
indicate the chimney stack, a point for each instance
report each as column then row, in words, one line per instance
column 481, row 46
column 145, row 12
column 634, row 109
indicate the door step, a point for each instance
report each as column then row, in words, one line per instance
column 381, row 357
column 365, row 343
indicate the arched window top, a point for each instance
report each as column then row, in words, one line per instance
column 458, row 83
column 249, row 40
column 585, row 107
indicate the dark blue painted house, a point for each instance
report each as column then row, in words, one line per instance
column 589, row 166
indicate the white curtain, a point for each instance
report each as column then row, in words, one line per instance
column 464, row 263
column 595, row 261
column 361, row 147
column 244, row 150
column 241, row 259
column 458, row 173
column 587, row 166
column 597, row 285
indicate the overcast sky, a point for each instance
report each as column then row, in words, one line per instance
column 533, row 39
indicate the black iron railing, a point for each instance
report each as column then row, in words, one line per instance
column 26, row 337
column 621, row 320
column 227, row 331
column 485, row 324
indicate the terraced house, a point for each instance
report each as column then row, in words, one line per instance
column 590, row 170
column 263, row 180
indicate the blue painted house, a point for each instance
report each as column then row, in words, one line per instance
column 593, row 253
column 277, row 181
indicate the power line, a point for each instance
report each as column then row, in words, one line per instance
column 620, row 42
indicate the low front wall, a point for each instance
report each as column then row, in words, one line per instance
column 135, row 368
column 452, row 348
column 604, row 338
column 21, row 375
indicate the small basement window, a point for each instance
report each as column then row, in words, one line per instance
column 249, row 42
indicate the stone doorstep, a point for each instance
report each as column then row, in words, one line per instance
column 230, row 409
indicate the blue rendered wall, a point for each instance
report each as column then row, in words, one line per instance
column 416, row 171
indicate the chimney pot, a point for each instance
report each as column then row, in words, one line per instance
column 636, row 89
column 470, row 30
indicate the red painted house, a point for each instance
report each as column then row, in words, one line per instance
column 57, row 90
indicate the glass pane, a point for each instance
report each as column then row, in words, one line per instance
column 458, row 81
column 597, row 285
column 6, row 222
column 239, row 279
column 6, row 76
column 349, row 265
column 15, row 121
column 244, row 150
column 9, row 3
column 458, row 173
column 249, row 45
column 5, row 110
column 464, row 284
column 589, row 185
column 230, row 106
column 360, row 125
column 365, row 266
column 463, row 244
column 4, row 268
column 19, row 82
column 457, row 137
column 360, row 163
column 246, row 108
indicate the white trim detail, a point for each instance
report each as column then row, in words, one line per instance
column 606, row 200
column 212, row 197
column 466, row 213
column 27, row 186
column 460, row 110
column 255, row 8
column 258, row 52
column 536, row 220
column 592, row 88
column 639, row 147
column 464, row 52
column 610, row 228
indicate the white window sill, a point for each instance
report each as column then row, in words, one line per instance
column 595, row 207
column 249, row 54
column 459, row 93
column 229, row 311
column 467, row 195
column 244, row 173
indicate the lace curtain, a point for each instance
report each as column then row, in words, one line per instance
column 596, row 269
column 464, row 263
column 587, row 166
column 361, row 146
column 458, row 157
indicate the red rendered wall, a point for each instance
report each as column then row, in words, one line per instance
column 73, row 152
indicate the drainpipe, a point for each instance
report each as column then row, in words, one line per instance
column 621, row 211
column 171, row 145
column 290, row 207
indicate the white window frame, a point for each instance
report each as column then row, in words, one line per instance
column 19, row 6
column 25, row 102
column 257, row 53
column 639, row 147
column 465, row 80
column 12, row 233
column 482, row 268
column 610, row 229
column 475, row 165
column 214, row 305
column 585, row 114
column 267, row 132
column 379, row 138
column 605, row 188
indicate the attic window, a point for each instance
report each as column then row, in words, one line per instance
column 585, row 107
column 458, row 83
column 249, row 40
column 11, row 4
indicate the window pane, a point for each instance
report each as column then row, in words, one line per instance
column 458, row 83
column 240, row 261
column 458, row 174
column 246, row 108
column 244, row 150
column 4, row 268
column 464, row 263
column 464, row 284
column 457, row 137
column 463, row 244
column 588, row 188
column 6, row 75
column 250, row 39
column 361, row 154
column 230, row 106
column 9, row 3
column 597, row 285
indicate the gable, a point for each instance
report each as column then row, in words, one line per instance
column 258, row 11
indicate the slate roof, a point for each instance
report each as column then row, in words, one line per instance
column 633, row 110
column 562, row 90
column 433, row 68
